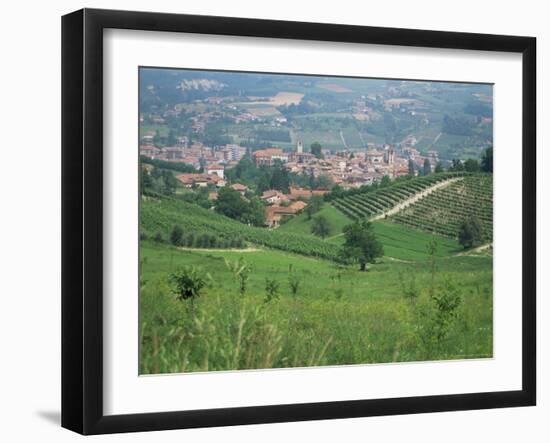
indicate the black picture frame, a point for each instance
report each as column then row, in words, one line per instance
column 82, row 218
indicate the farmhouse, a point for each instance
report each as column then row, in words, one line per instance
column 240, row 188
column 273, row 196
column 200, row 180
column 306, row 194
column 275, row 213
column 215, row 169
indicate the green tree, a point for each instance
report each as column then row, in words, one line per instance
column 145, row 180
column 316, row 149
column 314, row 205
column 447, row 300
column 361, row 244
column 427, row 167
column 231, row 203
column 386, row 181
column 255, row 214
column 456, row 165
column 412, row 168
column 171, row 141
column 469, row 233
column 320, row 226
column 471, row 165
column 176, row 236
column 487, row 160
column 280, row 178
column 157, row 141
column 324, row 181
column 170, row 183
column 438, row 167
column 264, row 182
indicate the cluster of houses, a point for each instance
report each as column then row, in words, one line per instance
column 197, row 154
column 213, row 175
column 280, row 206
column 348, row 169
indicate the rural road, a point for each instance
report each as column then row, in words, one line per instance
column 219, row 249
column 414, row 198
column 476, row 250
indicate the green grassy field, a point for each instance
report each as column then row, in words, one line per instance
column 302, row 225
column 399, row 242
column 338, row 316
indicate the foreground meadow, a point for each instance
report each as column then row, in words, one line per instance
column 300, row 311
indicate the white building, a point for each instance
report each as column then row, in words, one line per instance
column 215, row 169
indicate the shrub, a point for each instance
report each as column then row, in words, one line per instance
column 189, row 282
column 271, row 290
column 176, row 235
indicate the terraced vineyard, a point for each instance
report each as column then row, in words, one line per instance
column 442, row 211
column 161, row 214
column 370, row 204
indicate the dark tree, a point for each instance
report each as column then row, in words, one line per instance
column 361, row 244
column 456, row 165
column 411, row 167
column 255, row 214
column 176, row 236
column 157, row 141
column 170, row 183
column 487, row 160
column 471, row 165
column 280, row 179
column 469, row 234
column 264, row 182
column 427, row 167
column 313, row 206
column 438, row 167
column 231, row 203
column 145, row 180
column 324, row 181
column 171, row 141
column 316, row 149
column 320, row 226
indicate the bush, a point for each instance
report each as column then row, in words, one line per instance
column 176, row 236
column 189, row 282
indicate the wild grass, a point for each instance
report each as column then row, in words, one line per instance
column 337, row 316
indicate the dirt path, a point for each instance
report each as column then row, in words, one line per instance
column 476, row 250
column 220, row 250
column 414, row 198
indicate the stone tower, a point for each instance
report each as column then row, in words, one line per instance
column 299, row 147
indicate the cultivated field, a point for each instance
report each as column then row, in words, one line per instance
column 333, row 87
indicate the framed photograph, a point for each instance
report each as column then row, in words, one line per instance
column 270, row 221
